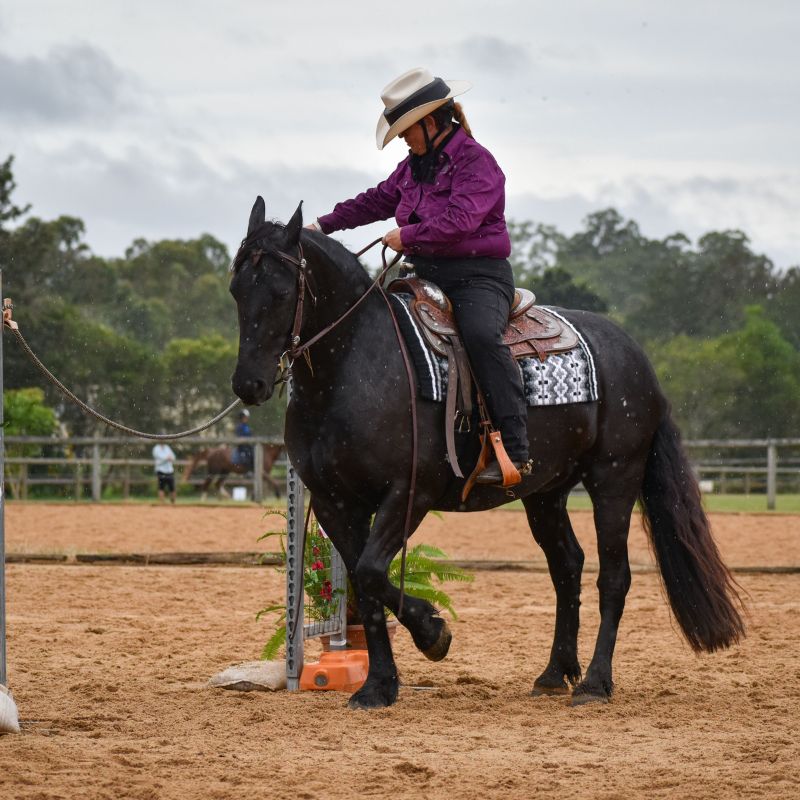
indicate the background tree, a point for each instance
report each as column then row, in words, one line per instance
column 534, row 255
column 25, row 414
column 743, row 384
column 150, row 338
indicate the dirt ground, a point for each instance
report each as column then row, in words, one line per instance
column 109, row 665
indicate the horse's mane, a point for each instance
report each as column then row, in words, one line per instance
column 335, row 251
column 268, row 236
column 262, row 238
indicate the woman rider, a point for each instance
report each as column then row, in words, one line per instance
column 448, row 197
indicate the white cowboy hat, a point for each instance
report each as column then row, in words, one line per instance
column 409, row 98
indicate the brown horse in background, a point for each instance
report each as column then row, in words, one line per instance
column 219, row 465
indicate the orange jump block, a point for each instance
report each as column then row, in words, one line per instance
column 336, row 671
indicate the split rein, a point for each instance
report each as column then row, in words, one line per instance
column 297, row 349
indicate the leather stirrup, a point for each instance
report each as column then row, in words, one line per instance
column 511, row 476
column 483, row 462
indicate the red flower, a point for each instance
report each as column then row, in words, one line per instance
column 315, row 550
column 326, row 592
column 317, row 565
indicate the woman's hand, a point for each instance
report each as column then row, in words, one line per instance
column 392, row 239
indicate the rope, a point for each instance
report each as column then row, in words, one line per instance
column 96, row 414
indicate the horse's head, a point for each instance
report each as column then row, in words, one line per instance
column 264, row 285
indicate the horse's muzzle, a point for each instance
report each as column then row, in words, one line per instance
column 251, row 389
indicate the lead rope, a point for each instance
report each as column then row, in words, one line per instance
column 11, row 325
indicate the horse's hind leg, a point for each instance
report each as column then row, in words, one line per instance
column 613, row 489
column 550, row 525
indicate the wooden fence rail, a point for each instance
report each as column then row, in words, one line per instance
column 86, row 463
column 90, row 462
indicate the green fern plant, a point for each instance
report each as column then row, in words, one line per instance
column 426, row 566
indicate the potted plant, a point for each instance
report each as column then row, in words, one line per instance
column 426, row 567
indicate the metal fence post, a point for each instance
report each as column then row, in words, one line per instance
column 97, row 486
column 772, row 475
column 3, row 670
column 258, row 473
column 295, row 545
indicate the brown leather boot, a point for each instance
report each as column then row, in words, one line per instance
column 494, row 475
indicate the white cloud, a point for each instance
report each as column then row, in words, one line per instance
column 76, row 82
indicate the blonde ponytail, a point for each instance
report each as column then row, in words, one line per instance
column 460, row 118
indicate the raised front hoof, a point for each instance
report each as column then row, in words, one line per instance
column 439, row 649
column 374, row 694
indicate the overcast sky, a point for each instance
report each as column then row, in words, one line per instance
column 165, row 119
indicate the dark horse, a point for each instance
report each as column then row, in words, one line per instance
column 219, row 464
column 349, row 435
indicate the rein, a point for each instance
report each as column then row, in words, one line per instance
column 296, row 349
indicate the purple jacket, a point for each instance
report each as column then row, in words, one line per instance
column 460, row 215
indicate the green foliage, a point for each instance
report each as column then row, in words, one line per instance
column 556, row 287
column 25, row 413
column 148, row 339
column 424, row 565
column 8, row 211
column 198, row 375
column 743, row 384
column 783, row 306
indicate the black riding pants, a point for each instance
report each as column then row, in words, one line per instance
column 481, row 291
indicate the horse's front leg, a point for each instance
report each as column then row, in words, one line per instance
column 348, row 530
column 428, row 630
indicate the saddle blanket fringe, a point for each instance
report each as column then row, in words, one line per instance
column 560, row 379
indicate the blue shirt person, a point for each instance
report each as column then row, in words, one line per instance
column 243, row 453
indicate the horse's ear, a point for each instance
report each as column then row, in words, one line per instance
column 257, row 216
column 294, row 226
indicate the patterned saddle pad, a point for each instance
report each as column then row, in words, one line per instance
column 561, row 378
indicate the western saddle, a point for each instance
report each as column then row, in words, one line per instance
column 532, row 332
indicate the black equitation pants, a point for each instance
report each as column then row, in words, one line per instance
column 482, row 291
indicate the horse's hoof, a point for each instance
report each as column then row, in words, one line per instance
column 592, row 691
column 586, row 697
column 377, row 695
column 438, row 650
column 540, row 690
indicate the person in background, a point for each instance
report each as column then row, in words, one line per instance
column 164, row 460
column 243, row 454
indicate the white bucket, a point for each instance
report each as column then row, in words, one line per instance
column 239, row 493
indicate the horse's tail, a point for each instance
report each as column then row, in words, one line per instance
column 701, row 590
column 198, row 458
